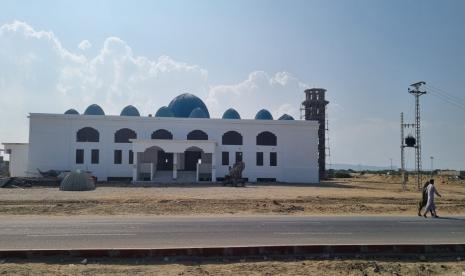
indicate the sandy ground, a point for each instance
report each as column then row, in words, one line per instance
column 365, row 195
column 305, row 267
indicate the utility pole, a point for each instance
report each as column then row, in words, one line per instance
column 432, row 158
column 416, row 92
column 402, row 151
column 402, row 146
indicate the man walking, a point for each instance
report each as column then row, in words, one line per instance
column 424, row 198
column 430, row 206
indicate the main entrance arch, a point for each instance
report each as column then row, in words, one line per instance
column 174, row 160
column 192, row 156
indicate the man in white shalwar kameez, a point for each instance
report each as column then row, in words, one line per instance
column 430, row 206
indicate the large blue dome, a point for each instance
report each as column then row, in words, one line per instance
column 231, row 114
column 198, row 113
column 286, row 117
column 164, row 111
column 130, row 111
column 72, row 112
column 263, row 115
column 94, row 109
column 183, row 105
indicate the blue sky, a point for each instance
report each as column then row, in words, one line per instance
column 365, row 53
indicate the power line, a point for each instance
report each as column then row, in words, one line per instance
column 447, row 97
column 450, row 95
column 448, row 100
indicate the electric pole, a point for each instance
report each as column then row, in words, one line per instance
column 432, row 158
column 416, row 92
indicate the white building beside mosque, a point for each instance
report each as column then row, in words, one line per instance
column 180, row 143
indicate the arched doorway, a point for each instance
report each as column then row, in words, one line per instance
column 173, row 161
column 152, row 162
column 163, row 161
column 192, row 155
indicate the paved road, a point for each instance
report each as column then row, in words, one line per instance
column 164, row 232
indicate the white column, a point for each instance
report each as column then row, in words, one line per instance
column 134, row 168
column 152, row 171
column 213, row 167
column 175, row 165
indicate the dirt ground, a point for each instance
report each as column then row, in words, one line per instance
column 364, row 195
column 304, row 267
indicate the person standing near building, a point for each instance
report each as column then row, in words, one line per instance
column 430, row 206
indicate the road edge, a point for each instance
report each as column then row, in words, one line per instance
column 312, row 251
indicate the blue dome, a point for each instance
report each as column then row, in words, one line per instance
column 94, row 109
column 164, row 111
column 231, row 114
column 130, row 111
column 286, row 117
column 183, row 105
column 72, row 112
column 198, row 113
column 263, row 115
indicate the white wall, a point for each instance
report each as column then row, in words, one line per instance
column 53, row 144
column 18, row 158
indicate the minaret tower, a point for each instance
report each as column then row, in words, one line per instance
column 314, row 107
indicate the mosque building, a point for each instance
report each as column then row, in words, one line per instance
column 180, row 143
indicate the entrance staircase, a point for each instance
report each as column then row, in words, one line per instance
column 167, row 177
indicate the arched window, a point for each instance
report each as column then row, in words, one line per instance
column 162, row 134
column 266, row 138
column 87, row 134
column 123, row 135
column 232, row 138
column 197, row 135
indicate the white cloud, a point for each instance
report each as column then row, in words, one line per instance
column 40, row 75
column 280, row 93
column 84, row 45
column 37, row 74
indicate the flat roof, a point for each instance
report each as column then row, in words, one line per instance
column 174, row 119
column 6, row 144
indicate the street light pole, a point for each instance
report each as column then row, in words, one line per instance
column 432, row 158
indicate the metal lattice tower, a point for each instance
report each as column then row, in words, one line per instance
column 402, row 153
column 415, row 91
column 314, row 108
column 328, row 149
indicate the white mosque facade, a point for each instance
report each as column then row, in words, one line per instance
column 180, row 143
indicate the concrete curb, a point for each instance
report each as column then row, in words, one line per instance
column 313, row 251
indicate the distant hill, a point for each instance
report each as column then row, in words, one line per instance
column 360, row 167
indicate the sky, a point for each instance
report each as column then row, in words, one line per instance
column 249, row 55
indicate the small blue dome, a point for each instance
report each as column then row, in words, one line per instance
column 286, row 117
column 94, row 109
column 164, row 111
column 183, row 105
column 231, row 114
column 130, row 111
column 72, row 112
column 198, row 113
column 263, row 115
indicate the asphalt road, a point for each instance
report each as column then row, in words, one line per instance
column 76, row 232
